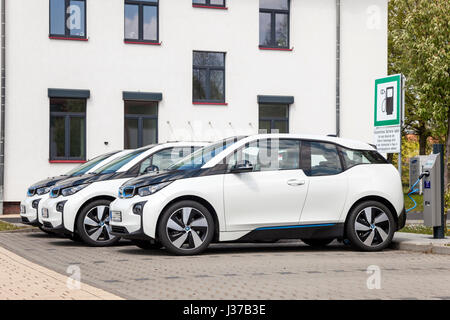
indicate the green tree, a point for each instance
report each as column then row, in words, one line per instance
column 419, row 48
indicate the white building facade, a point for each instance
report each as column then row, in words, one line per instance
column 84, row 77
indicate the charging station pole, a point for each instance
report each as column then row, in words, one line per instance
column 439, row 232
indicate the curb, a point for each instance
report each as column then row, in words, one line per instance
column 415, row 246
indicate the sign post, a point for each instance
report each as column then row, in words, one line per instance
column 388, row 115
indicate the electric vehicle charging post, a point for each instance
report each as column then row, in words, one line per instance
column 433, row 192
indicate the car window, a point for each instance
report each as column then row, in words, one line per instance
column 85, row 167
column 268, row 155
column 197, row 159
column 320, row 158
column 164, row 159
column 354, row 157
column 121, row 161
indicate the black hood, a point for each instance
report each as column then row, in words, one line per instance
column 49, row 182
column 166, row 176
column 90, row 178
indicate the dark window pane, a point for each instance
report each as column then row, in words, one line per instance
column 265, row 35
column 273, row 111
column 264, row 126
column 217, row 2
column 76, row 20
column 77, row 143
column 148, row 108
column 131, row 21
column 280, row 127
column 57, row 17
column 149, row 131
column 150, row 23
column 199, row 84
column 274, row 4
column 281, row 30
column 131, row 134
column 209, row 59
column 217, row 79
column 67, row 105
column 57, row 136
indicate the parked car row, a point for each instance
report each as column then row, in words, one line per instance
column 185, row 195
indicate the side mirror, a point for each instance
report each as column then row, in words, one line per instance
column 242, row 166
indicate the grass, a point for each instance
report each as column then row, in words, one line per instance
column 408, row 203
column 4, row 226
column 417, row 228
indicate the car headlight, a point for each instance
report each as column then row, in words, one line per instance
column 43, row 190
column 31, row 192
column 71, row 190
column 151, row 189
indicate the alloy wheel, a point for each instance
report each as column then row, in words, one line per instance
column 96, row 224
column 187, row 228
column 372, row 226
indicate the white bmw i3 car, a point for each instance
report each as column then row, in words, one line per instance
column 29, row 207
column 265, row 188
column 79, row 207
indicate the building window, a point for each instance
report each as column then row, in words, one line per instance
column 274, row 118
column 141, row 21
column 141, row 124
column 209, row 77
column 67, row 129
column 68, row 18
column 209, row 3
column 274, row 23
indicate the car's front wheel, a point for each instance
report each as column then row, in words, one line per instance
column 186, row 228
column 93, row 224
column 370, row 226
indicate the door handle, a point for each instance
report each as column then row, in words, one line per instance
column 295, row 182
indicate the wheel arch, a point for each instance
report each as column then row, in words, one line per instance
column 384, row 201
column 89, row 201
column 203, row 202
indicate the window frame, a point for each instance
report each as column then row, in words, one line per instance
column 66, row 35
column 67, row 116
column 273, row 13
column 141, row 4
column 208, row 99
column 140, row 118
column 273, row 119
column 337, row 146
column 208, row 4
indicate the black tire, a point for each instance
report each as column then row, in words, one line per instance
column 189, row 246
column 87, row 233
column 147, row 244
column 371, row 235
column 50, row 233
column 317, row 243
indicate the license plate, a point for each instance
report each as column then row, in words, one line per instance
column 23, row 209
column 116, row 216
column 44, row 213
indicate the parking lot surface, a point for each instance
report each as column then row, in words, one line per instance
column 287, row 270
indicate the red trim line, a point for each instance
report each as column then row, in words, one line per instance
column 211, row 103
column 279, row 49
column 143, row 42
column 208, row 7
column 64, row 38
column 67, row 161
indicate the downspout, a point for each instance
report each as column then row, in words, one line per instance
column 2, row 107
column 338, row 68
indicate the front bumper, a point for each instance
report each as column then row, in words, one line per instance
column 131, row 226
column 28, row 213
column 54, row 221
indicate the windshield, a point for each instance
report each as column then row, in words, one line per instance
column 121, row 161
column 85, row 167
column 197, row 159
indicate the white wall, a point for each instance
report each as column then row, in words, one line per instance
column 106, row 66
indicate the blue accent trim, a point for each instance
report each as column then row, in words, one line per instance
column 299, row 226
